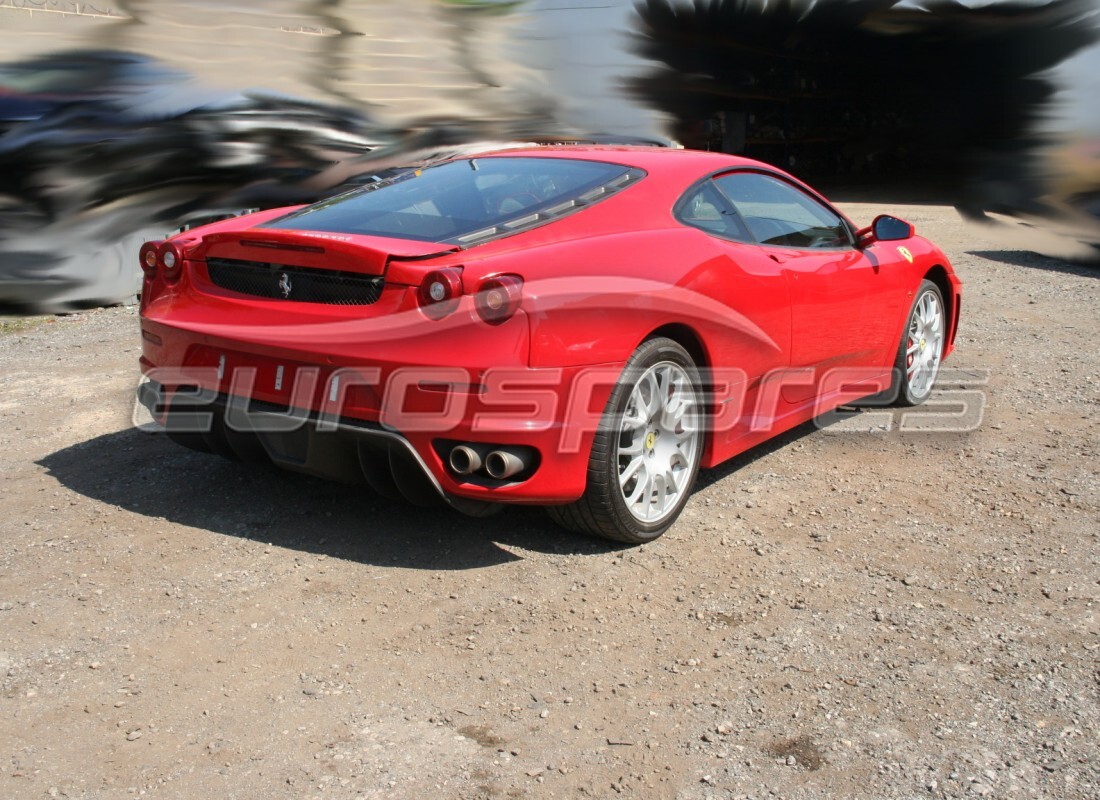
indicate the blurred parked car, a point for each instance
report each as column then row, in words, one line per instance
column 100, row 150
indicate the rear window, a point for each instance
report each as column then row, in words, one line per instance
column 465, row 202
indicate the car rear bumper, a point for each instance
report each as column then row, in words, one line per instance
column 390, row 423
column 350, row 451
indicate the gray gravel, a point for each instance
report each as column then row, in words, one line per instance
column 840, row 614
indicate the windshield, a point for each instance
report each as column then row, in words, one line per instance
column 464, row 201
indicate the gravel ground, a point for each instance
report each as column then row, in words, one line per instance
column 837, row 614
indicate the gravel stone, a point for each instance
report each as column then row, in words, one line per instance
column 895, row 615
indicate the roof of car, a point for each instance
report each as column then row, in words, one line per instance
column 645, row 157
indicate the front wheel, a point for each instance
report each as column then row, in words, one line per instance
column 921, row 347
column 645, row 455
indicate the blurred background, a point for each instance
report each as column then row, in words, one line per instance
column 122, row 120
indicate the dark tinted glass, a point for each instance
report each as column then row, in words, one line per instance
column 889, row 229
column 450, row 201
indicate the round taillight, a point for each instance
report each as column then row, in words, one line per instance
column 498, row 298
column 171, row 259
column 149, row 258
column 439, row 288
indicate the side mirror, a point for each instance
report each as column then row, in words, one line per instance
column 886, row 229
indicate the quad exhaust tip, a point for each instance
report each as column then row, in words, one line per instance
column 501, row 464
column 465, row 460
column 468, row 459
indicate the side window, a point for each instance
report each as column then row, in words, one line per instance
column 705, row 208
column 778, row 213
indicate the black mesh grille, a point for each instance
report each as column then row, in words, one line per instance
column 295, row 284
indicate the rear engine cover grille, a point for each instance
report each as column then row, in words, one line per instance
column 295, row 284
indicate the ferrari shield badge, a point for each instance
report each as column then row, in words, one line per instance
column 906, row 254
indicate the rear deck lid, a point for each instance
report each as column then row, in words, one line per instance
column 355, row 253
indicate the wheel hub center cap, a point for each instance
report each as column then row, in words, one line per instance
column 651, row 440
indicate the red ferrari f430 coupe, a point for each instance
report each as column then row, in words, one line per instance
column 582, row 328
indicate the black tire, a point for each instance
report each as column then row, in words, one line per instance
column 906, row 391
column 603, row 510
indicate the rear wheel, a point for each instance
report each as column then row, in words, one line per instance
column 921, row 347
column 645, row 455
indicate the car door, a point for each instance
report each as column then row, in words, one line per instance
column 751, row 345
column 844, row 304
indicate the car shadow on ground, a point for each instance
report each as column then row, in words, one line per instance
column 1025, row 258
column 709, row 477
column 148, row 475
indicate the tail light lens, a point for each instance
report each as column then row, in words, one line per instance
column 171, row 260
column 498, row 298
column 150, row 257
column 440, row 290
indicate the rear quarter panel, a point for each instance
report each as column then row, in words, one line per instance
column 592, row 300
